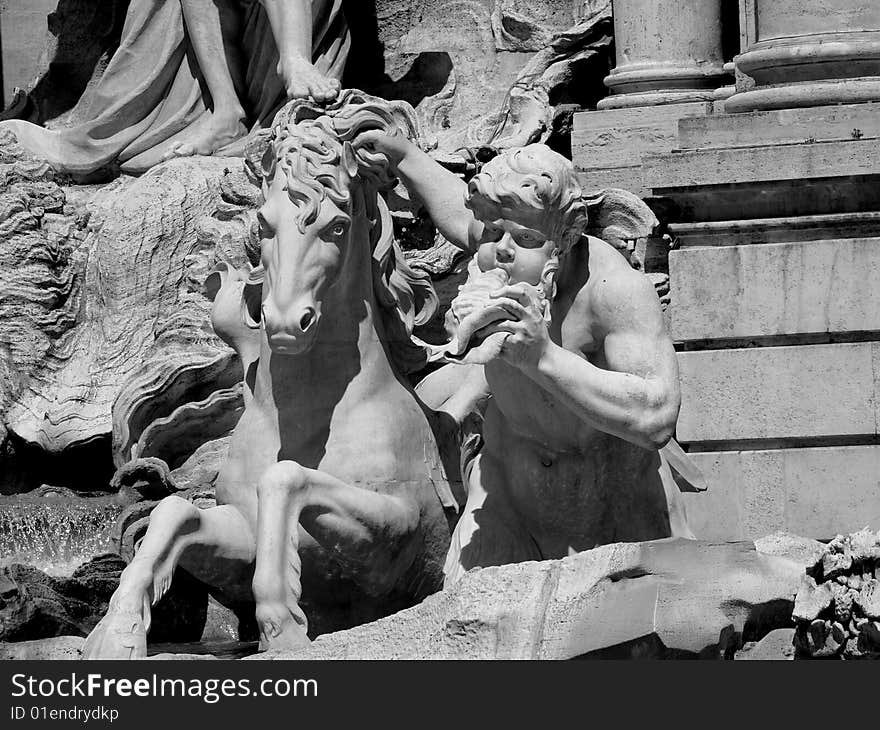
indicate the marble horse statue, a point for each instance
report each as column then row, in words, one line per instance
column 334, row 487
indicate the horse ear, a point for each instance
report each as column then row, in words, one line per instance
column 349, row 159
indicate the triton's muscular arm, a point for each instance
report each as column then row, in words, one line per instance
column 637, row 398
column 441, row 191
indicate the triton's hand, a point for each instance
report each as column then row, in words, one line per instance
column 394, row 146
column 529, row 337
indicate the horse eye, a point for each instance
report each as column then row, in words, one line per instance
column 338, row 229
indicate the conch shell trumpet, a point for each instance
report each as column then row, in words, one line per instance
column 473, row 309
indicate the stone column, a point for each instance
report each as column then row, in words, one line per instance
column 808, row 53
column 668, row 52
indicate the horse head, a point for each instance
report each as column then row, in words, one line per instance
column 317, row 187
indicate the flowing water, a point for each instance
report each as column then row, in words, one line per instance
column 55, row 534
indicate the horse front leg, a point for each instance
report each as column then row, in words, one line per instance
column 374, row 536
column 208, row 543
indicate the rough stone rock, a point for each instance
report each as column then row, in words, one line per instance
column 838, row 601
column 34, row 605
column 803, row 550
column 868, row 600
column 777, row 645
column 694, row 598
column 221, row 623
column 61, row 647
column 145, row 478
column 811, row 599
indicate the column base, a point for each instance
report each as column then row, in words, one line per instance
column 819, row 70
column 805, row 94
column 655, row 98
column 655, row 84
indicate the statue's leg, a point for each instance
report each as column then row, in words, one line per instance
column 374, row 536
column 215, row 545
column 291, row 22
column 488, row 532
column 207, row 21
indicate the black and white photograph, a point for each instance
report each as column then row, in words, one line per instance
column 434, row 330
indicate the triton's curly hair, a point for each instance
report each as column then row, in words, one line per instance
column 535, row 186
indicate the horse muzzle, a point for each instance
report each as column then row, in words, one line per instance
column 292, row 333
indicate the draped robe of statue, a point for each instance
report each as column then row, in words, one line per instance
column 150, row 91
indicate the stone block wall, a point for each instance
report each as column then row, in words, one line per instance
column 776, row 314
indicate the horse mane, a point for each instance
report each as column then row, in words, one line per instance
column 312, row 144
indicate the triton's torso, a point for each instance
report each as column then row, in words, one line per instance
column 569, row 484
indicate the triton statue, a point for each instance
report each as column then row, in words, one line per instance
column 581, row 371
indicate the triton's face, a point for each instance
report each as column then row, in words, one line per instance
column 520, row 251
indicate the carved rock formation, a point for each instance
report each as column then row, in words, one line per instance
column 40, row 243
column 668, row 598
column 480, row 72
column 104, row 311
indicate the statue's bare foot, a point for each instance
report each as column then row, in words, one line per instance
column 302, row 80
column 278, row 628
column 121, row 634
column 212, row 132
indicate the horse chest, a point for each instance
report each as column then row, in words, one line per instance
column 365, row 439
column 385, row 440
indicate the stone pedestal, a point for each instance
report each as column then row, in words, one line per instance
column 668, row 52
column 607, row 146
column 808, row 53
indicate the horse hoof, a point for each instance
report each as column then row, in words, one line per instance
column 279, row 631
column 117, row 636
column 290, row 637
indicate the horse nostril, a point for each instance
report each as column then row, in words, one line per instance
column 307, row 320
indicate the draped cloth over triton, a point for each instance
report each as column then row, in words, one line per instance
column 151, row 91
